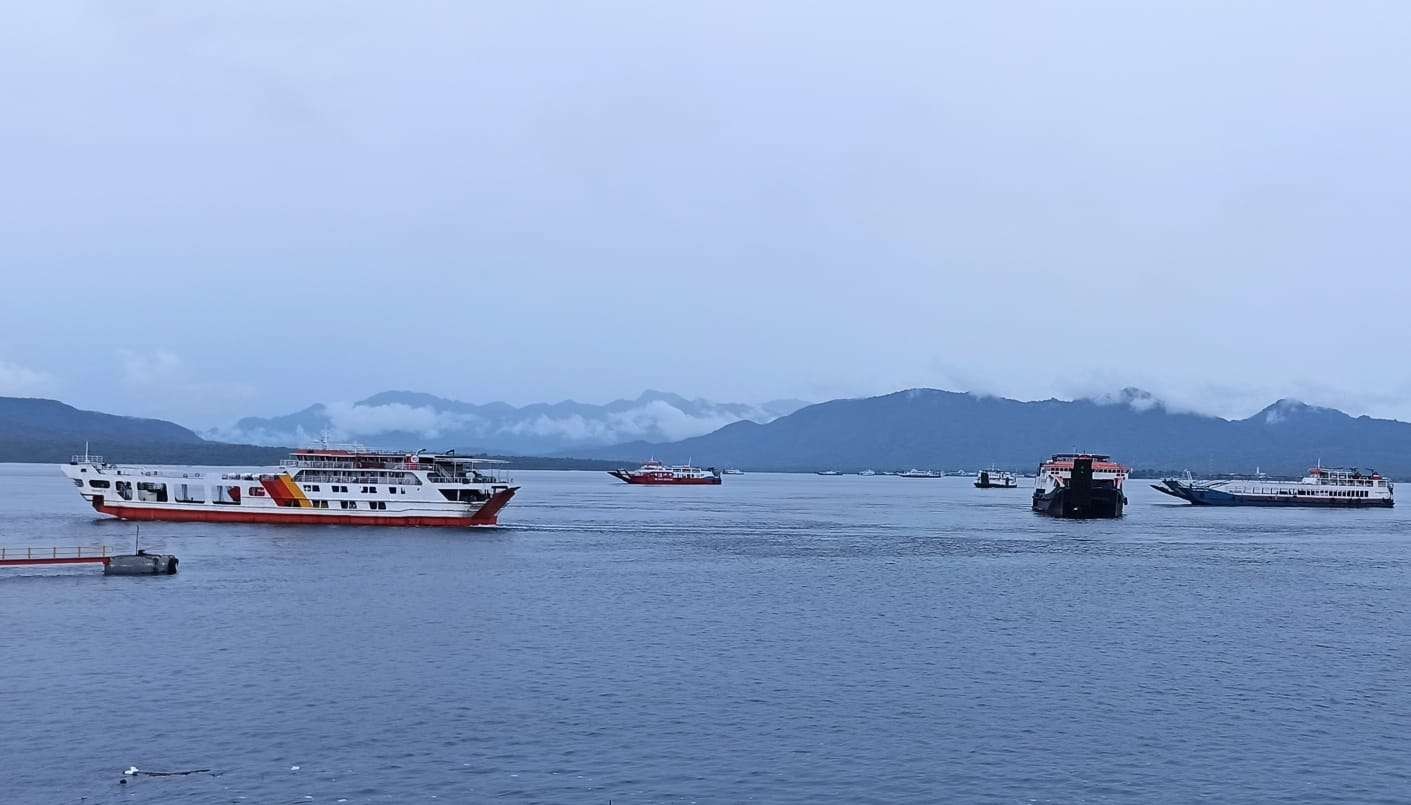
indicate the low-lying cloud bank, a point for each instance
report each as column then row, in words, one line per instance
column 535, row 428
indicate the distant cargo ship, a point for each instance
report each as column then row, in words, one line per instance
column 1327, row 487
column 319, row 486
column 654, row 473
column 1080, row 485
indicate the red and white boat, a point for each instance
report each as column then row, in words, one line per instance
column 654, row 473
column 317, row 486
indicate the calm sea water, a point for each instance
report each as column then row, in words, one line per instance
column 777, row 639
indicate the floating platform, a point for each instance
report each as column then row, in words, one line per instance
column 141, row 563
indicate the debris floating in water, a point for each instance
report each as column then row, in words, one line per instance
column 293, row 768
column 133, row 771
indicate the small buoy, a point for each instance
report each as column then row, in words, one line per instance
column 293, row 768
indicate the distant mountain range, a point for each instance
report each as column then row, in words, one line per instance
column 49, row 432
column 925, row 428
column 930, row 428
column 403, row 419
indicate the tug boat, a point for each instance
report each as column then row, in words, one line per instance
column 995, row 479
column 318, row 486
column 1080, row 486
column 1323, row 487
column 654, row 473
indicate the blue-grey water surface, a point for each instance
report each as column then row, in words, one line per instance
column 781, row 638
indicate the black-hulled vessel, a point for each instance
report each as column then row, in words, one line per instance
column 1081, row 486
column 995, row 479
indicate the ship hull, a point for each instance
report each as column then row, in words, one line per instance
column 1098, row 503
column 640, row 480
column 1200, row 496
column 486, row 516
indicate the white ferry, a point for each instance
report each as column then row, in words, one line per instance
column 1333, row 488
column 318, row 486
column 654, row 473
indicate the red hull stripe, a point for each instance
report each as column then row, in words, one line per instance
column 672, row 481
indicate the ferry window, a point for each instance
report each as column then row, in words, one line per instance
column 97, row 484
column 152, row 492
column 391, row 490
column 256, row 491
column 191, row 493
column 124, row 489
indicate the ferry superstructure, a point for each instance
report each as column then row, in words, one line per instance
column 316, row 486
column 1080, row 485
column 1323, row 487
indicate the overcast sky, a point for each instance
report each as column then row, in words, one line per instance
column 216, row 212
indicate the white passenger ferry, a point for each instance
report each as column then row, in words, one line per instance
column 317, row 486
column 1322, row 486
